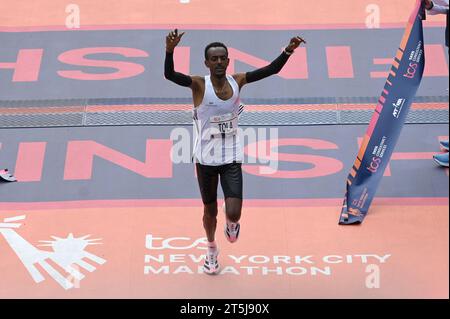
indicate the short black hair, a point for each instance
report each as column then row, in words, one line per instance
column 215, row 45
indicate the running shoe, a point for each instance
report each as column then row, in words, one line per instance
column 441, row 159
column 444, row 145
column 211, row 265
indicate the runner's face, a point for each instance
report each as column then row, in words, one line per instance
column 217, row 61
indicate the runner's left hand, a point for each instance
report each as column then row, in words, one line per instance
column 295, row 43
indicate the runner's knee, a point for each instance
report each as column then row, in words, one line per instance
column 210, row 210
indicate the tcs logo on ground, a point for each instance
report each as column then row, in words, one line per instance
column 175, row 243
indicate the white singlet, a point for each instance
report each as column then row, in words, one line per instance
column 216, row 138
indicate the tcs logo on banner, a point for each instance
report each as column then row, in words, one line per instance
column 411, row 70
column 374, row 165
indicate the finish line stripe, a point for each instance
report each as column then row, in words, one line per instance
column 315, row 202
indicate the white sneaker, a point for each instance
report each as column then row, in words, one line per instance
column 211, row 265
column 231, row 229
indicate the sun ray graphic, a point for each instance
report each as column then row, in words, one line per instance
column 70, row 242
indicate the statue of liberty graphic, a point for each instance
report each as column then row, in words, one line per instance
column 68, row 253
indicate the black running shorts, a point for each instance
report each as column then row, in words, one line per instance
column 230, row 179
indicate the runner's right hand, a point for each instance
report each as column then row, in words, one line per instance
column 172, row 40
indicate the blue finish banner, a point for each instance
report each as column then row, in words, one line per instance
column 387, row 121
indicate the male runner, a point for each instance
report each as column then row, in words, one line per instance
column 217, row 149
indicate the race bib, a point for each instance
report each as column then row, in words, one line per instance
column 223, row 125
